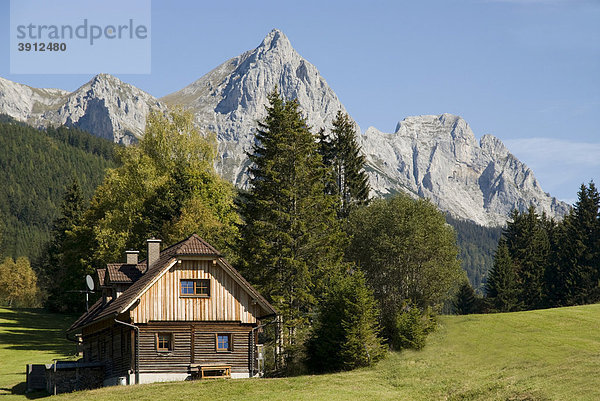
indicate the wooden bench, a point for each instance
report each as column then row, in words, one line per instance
column 210, row 371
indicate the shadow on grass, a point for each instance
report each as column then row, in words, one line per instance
column 20, row 389
column 36, row 330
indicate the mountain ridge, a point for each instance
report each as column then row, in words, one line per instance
column 438, row 157
column 434, row 156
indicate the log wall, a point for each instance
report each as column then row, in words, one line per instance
column 112, row 346
column 194, row 343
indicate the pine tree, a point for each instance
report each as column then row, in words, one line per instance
column 291, row 245
column 341, row 152
column 501, row 284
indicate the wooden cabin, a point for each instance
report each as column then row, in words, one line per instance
column 184, row 312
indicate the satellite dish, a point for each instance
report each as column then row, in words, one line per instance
column 90, row 282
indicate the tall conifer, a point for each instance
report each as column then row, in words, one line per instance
column 60, row 271
column 291, row 242
column 528, row 246
column 582, row 254
column 341, row 152
column 501, row 284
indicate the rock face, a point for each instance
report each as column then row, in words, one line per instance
column 438, row 157
column 232, row 97
column 105, row 106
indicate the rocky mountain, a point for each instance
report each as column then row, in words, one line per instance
column 104, row 106
column 232, row 97
column 432, row 156
column 438, row 157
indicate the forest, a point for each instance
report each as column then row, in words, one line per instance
column 36, row 166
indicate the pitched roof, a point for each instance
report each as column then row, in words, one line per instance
column 192, row 246
column 89, row 316
column 101, row 273
column 195, row 245
column 124, row 273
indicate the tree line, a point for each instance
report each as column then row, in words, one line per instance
column 542, row 263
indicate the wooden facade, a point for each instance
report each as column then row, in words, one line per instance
column 157, row 329
column 228, row 301
column 195, row 344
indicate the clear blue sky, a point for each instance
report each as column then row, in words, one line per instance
column 527, row 71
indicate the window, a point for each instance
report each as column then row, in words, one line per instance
column 200, row 288
column 224, row 342
column 164, row 342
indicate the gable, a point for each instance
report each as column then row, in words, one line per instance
column 155, row 294
column 230, row 299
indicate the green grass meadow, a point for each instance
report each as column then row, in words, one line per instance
column 29, row 336
column 538, row 355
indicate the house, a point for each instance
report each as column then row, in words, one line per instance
column 182, row 312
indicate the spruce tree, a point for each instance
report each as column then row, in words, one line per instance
column 341, row 152
column 528, row 245
column 582, row 254
column 466, row 301
column 346, row 333
column 556, row 275
column 291, row 242
column 61, row 271
column 501, row 286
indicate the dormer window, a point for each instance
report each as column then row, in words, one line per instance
column 198, row 288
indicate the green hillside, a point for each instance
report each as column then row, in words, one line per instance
column 35, row 168
column 549, row 354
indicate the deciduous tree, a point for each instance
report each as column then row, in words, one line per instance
column 166, row 187
column 408, row 254
column 18, row 283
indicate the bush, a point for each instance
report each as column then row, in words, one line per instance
column 412, row 327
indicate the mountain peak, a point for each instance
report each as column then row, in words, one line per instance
column 275, row 39
column 436, row 126
column 104, row 78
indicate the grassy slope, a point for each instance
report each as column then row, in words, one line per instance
column 539, row 355
column 28, row 336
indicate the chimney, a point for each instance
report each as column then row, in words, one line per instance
column 132, row 257
column 153, row 251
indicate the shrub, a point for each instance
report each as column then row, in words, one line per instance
column 412, row 327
